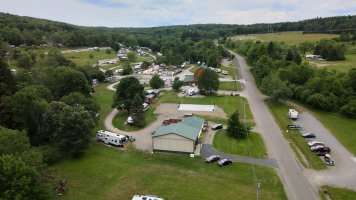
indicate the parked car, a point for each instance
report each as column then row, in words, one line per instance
column 323, row 149
column 130, row 138
column 309, row 135
column 225, row 72
column 217, row 127
column 328, row 160
column 212, row 158
column 224, row 162
column 315, row 143
column 317, row 147
column 294, row 126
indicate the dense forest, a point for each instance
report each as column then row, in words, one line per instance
column 280, row 73
column 17, row 30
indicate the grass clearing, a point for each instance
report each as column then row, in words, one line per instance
column 194, row 69
column 104, row 98
column 225, row 143
column 83, row 58
column 341, row 127
column 230, row 86
column 232, row 71
column 279, row 111
column 336, row 193
column 228, row 103
column 340, row 65
column 108, row 173
column 290, row 37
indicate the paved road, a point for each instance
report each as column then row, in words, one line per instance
column 343, row 174
column 291, row 172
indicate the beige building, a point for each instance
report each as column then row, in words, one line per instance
column 181, row 137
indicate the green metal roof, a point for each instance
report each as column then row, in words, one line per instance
column 190, row 128
column 188, row 78
column 195, row 122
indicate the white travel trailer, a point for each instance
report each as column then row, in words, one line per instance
column 111, row 138
column 293, row 114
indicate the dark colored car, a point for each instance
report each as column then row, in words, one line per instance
column 294, row 126
column 309, row 135
column 323, row 149
column 217, row 127
column 224, row 162
column 212, row 158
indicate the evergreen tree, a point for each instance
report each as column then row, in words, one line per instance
column 235, row 128
column 177, row 84
column 137, row 112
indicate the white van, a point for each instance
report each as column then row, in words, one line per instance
column 293, row 114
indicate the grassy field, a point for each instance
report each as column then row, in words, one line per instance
column 104, row 98
column 121, row 117
column 225, row 143
column 83, row 58
column 108, row 173
column 230, row 86
column 279, row 111
column 341, row 65
column 232, row 71
column 228, row 103
column 341, row 127
column 292, row 37
column 338, row 193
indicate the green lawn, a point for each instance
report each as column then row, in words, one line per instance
column 279, row 111
column 341, row 127
column 290, row 37
column 341, row 65
column 122, row 116
column 230, row 86
column 338, row 193
column 104, row 98
column 108, row 173
column 232, row 71
column 194, row 68
column 228, row 103
column 225, row 143
column 82, row 58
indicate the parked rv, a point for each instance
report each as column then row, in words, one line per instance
column 111, row 138
column 293, row 114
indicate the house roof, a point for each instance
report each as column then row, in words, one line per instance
column 190, row 128
column 188, row 78
column 150, row 96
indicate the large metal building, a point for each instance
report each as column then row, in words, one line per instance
column 181, row 137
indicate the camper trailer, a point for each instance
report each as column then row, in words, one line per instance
column 293, row 114
column 111, row 138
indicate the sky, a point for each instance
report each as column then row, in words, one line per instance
column 148, row 13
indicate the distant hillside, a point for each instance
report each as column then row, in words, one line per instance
column 18, row 30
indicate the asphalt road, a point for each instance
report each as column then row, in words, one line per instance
column 292, row 174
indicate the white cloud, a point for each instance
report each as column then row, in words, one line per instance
column 120, row 13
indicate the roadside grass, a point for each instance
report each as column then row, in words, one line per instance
column 336, row 193
column 340, row 66
column 228, row 103
column 279, row 111
column 108, row 173
column 232, row 71
column 230, row 86
column 104, row 98
column 290, row 37
column 83, row 58
column 225, row 143
column 341, row 127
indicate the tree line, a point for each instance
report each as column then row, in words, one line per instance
column 279, row 72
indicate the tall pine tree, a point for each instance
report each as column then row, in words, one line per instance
column 137, row 112
column 235, row 128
